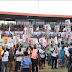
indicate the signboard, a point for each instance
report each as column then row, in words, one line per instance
column 15, row 40
column 47, row 29
column 42, row 41
column 22, row 22
column 28, row 30
column 38, row 22
column 57, row 28
column 68, row 29
column 67, row 22
column 35, row 40
column 25, row 37
column 5, row 38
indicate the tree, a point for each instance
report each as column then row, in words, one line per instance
column 10, row 23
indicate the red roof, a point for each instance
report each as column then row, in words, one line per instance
column 31, row 14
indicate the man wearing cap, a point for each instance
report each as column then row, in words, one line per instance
column 26, row 42
column 0, row 56
column 26, row 64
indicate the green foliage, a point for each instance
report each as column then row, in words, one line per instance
column 0, row 25
column 10, row 23
column 48, row 69
column 52, row 24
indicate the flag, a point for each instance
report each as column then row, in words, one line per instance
column 9, row 28
column 23, row 30
column 37, row 29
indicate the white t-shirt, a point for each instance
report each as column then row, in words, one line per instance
column 66, row 51
column 41, row 51
column 54, row 54
column 59, row 49
column 6, row 45
column 5, row 57
column 20, row 57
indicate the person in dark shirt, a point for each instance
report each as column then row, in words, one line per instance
column 70, row 60
column 11, row 60
column 16, row 48
column 7, row 49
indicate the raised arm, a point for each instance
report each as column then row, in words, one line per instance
column 52, row 50
column 2, row 54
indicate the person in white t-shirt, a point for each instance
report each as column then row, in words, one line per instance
column 54, row 54
column 66, row 53
column 42, row 55
column 19, row 56
column 5, row 59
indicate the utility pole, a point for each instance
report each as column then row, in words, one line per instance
column 38, row 6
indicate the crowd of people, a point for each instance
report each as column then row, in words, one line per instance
column 31, row 55
column 16, row 59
